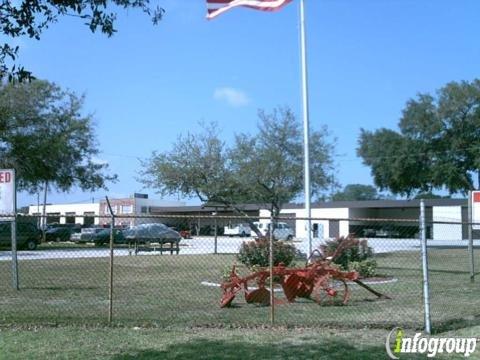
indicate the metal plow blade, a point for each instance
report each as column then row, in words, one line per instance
column 227, row 299
column 258, row 296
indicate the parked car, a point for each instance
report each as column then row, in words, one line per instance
column 60, row 233
column 76, row 237
column 241, row 230
column 383, row 232
column 185, row 234
column 387, row 233
column 86, row 235
column 150, row 233
column 103, row 237
column 28, row 235
column 369, row 232
column 281, row 231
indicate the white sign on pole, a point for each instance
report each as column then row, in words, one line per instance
column 7, row 192
column 475, row 210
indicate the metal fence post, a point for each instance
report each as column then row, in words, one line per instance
column 15, row 282
column 426, row 292
column 110, row 280
column 215, row 245
column 470, row 239
column 270, row 264
column 16, row 285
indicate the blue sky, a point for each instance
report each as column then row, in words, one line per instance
column 148, row 84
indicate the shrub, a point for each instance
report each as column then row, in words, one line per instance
column 227, row 270
column 366, row 268
column 256, row 253
column 355, row 252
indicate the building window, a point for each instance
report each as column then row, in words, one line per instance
column 88, row 219
column 53, row 218
column 127, row 209
column 144, row 210
column 106, row 210
column 70, row 218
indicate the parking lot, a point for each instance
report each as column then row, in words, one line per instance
column 225, row 245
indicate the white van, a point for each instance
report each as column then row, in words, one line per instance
column 282, row 231
column 241, row 230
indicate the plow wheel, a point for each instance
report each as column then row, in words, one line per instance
column 294, row 285
column 331, row 292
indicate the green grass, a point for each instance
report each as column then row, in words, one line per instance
column 166, row 291
column 198, row 343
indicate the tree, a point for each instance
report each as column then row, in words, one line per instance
column 44, row 137
column 265, row 168
column 31, row 17
column 430, row 196
column 354, row 192
column 437, row 147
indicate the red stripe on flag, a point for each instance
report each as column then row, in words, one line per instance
column 476, row 196
column 215, row 7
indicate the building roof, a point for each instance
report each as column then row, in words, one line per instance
column 381, row 204
column 201, row 208
column 372, row 204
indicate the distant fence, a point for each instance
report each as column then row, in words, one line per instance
column 171, row 274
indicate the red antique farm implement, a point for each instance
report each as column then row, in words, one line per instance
column 319, row 281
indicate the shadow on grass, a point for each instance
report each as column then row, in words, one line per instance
column 207, row 349
column 455, row 324
column 61, row 288
column 430, row 270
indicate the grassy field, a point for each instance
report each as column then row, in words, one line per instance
column 189, row 344
column 201, row 343
column 166, row 291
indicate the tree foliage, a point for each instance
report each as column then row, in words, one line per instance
column 352, row 192
column 29, row 18
column 264, row 168
column 437, row 147
column 257, row 253
column 46, row 139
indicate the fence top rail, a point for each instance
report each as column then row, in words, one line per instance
column 8, row 217
column 5, row 217
column 232, row 217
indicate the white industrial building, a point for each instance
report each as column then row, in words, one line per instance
column 337, row 218
column 445, row 218
column 340, row 218
column 97, row 213
column 74, row 213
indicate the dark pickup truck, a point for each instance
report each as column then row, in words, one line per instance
column 28, row 235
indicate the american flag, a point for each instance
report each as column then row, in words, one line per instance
column 217, row 7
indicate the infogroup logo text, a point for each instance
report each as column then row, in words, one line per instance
column 397, row 343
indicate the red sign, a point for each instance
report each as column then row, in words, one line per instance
column 7, row 192
column 5, row 177
column 475, row 202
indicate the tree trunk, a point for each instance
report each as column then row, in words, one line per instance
column 44, row 217
column 237, row 210
column 247, row 219
column 274, row 211
column 39, row 217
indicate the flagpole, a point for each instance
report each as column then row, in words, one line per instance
column 306, row 129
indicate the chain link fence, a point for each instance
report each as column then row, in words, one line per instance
column 168, row 270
